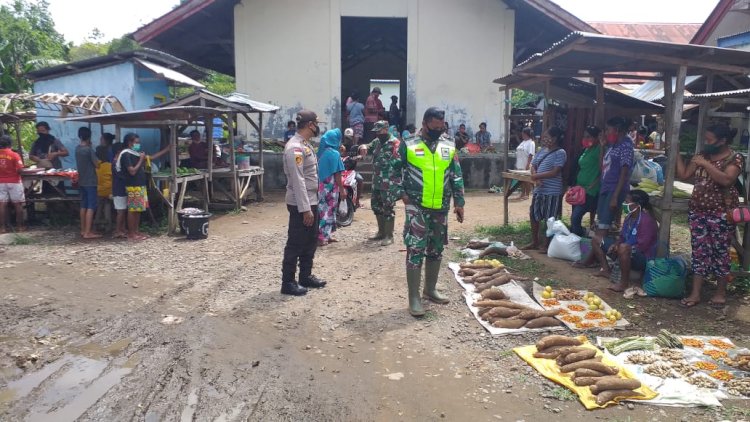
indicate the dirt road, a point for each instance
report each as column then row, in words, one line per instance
column 175, row 330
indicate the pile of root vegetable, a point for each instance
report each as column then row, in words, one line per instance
column 502, row 313
column 484, row 274
column 586, row 368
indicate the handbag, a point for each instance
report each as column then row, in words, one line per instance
column 576, row 195
column 736, row 215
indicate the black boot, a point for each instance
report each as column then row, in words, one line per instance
column 312, row 282
column 291, row 288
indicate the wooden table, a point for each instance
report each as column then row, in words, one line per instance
column 52, row 180
column 509, row 188
column 245, row 179
column 176, row 199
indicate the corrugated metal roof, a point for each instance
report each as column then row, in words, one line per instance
column 235, row 102
column 561, row 88
column 654, row 90
column 170, row 74
column 150, row 117
column 240, row 98
column 605, row 53
column 153, row 56
column 724, row 94
column 680, row 33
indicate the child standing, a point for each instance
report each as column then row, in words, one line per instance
column 104, row 181
column 119, row 195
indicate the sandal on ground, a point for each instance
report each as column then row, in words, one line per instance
column 717, row 305
column 580, row 264
column 632, row 292
column 604, row 274
column 138, row 237
column 685, row 303
column 119, row 236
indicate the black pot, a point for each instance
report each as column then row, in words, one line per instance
column 196, row 225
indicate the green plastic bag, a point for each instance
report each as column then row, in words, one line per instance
column 665, row 277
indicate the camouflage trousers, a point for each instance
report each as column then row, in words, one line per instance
column 382, row 203
column 425, row 234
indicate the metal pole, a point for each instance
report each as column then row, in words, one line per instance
column 172, row 221
column 260, row 159
column 599, row 118
column 505, row 152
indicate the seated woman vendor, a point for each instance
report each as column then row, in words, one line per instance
column 635, row 245
column 198, row 151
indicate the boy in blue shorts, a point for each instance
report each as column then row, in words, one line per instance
column 86, row 163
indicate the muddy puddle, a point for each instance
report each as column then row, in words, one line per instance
column 65, row 389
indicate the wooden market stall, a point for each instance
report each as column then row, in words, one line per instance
column 231, row 107
column 580, row 99
column 587, row 55
column 170, row 119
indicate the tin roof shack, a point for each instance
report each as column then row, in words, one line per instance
column 599, row 56
column 138, row 79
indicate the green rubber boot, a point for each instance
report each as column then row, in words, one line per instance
column 413, row 278
column 431, row 273
column 381, row 228
column 387, row 232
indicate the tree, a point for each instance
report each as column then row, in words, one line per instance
column 520, row 98
column 28, row 41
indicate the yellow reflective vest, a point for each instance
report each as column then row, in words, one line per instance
column 429, row 170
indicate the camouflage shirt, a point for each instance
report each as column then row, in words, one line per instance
column 386, row 164
column 412, row 186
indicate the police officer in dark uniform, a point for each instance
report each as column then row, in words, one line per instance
column 301, row 169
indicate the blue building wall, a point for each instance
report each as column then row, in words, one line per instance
column 134, row 86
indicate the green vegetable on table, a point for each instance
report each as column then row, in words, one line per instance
column 629, row 343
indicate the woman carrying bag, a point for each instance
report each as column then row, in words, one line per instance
column 588, row 179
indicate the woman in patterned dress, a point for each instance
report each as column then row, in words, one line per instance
column 714, row 172
column 330, row 184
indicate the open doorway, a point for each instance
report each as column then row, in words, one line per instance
column 373, row 50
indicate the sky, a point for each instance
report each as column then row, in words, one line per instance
column 75, row 19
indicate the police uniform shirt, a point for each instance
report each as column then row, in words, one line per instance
column 301, row 169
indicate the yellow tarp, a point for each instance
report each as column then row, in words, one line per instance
column 549, row 368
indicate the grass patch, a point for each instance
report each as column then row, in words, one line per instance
column 506, row 353
column 22, row 240
column 430, row 316
column 563, row 394
column 519, row 233
column 732, row 412
column 157, row 229
column 527, row 267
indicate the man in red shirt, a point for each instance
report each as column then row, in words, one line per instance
column 11, row 188
column 373, row 111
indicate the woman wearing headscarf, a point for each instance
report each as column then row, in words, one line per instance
column 330, row 184
column 714, row 172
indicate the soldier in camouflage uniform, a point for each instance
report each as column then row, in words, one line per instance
column 431, row 177
column 386, row 180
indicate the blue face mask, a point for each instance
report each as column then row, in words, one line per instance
column 136, row 147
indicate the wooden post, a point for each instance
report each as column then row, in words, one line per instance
column 260, row 156
column 668, row 103
column 675, row 113
column 547, row 109
column 233, row 163
column 171, row 218
column 702, row 111
column 506, row 121
column 599, row 117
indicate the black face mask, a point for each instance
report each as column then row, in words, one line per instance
column 434, row 134
column 384, row 137
column 316, row 131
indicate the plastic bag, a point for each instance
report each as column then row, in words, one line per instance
column 665, row 277
column 555, row 227
column 567, row 247
column 646, row 169
column 343, row 209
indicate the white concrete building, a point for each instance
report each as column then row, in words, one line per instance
column 314, row 53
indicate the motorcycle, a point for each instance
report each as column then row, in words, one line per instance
column 345, row 213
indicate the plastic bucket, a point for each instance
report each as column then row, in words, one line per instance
column 196, row 225
column 181, row 214
column 243, row 161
